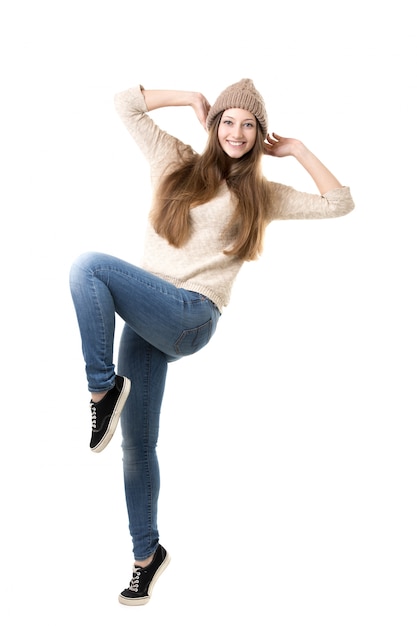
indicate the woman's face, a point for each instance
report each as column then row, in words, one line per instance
column 237, row 132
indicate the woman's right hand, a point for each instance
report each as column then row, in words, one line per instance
column 201, row 108
column 158, row 98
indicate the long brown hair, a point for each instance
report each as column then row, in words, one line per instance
column 197, row 181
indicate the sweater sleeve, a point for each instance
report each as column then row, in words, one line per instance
column 159, row 147
column 288, row 203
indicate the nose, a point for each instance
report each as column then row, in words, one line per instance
column 237, row 132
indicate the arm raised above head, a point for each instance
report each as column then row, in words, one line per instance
column 158, row 98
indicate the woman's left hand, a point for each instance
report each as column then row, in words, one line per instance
column 278, row 146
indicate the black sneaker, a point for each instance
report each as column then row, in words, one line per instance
column 140, row 588
column 105, row 414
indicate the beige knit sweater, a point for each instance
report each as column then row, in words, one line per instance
column 201, row 265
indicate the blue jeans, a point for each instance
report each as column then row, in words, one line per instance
column 162, row 324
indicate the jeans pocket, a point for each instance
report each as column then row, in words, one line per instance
column 193, row 339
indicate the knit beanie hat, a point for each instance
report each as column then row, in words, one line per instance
column 241, row 95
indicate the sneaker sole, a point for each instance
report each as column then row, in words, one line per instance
column 124, row 394
column 145, row 599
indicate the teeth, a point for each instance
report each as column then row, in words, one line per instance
column 235, row 143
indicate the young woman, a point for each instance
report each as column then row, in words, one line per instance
column 208, row 217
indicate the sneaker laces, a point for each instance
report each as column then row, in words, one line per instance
column 93, row 415
column 134, row 583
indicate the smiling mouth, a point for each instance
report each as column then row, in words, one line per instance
column 236, row 144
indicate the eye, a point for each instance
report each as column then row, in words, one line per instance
column 249, row 124
column 227, row 121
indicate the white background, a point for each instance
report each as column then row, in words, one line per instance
column 288, row 445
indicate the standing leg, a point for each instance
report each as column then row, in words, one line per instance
column 146, row 367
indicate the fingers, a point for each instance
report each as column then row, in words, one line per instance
column 277, row 138
column 275, row 145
